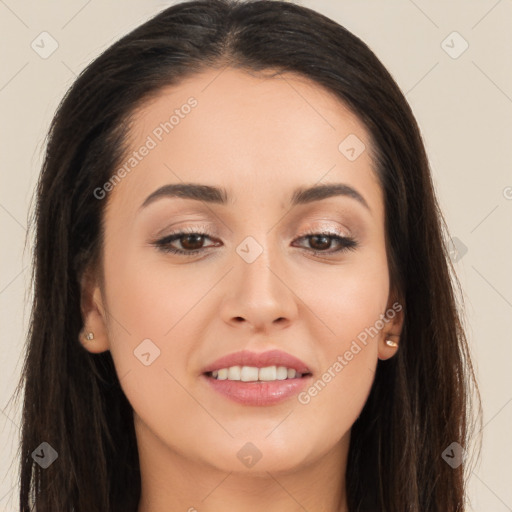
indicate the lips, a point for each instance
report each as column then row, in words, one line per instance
column 291, row 376
column 258, row 360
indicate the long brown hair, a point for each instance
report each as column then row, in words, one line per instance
column 421, row 399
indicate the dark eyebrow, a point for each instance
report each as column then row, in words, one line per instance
column 324, row 191
column 204, row 193
column 210, row 194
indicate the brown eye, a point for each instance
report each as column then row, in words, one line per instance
column 320, row 242
column 192, row 242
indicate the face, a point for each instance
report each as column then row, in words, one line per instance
column 264, row 268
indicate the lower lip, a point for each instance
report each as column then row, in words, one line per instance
column 258, row 393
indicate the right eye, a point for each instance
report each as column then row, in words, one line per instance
column 188, row 239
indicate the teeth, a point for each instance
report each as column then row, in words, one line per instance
column 249, row 374
column 282, row 373
column 234, row 373
column 253, row 374
column 268, row 373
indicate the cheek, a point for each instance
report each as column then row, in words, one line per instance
column 336, row 396
column 348, row 304
column 152, row 298
column 347, row 299
column 157, row 316
column 153, row 328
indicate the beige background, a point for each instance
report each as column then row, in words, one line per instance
column 463, row 106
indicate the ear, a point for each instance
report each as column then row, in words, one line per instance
column 94, row 335
column 393, row 324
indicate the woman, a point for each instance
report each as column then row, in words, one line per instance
column 243, row 298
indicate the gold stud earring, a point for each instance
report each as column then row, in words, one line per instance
column 391, row 343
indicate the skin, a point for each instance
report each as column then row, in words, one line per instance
column 260, row 138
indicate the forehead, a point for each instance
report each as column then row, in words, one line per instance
column 248, row 132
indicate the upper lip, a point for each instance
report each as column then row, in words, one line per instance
column 259, row 360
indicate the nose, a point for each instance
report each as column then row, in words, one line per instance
column 259, row 295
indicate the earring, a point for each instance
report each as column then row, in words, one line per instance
column 89, row 336
column 391, row 343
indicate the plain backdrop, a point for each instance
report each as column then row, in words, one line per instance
column 451, row 60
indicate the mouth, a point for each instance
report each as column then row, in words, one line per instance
column 257, row 379
column 247, row 385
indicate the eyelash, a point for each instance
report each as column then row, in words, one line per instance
column 347, row 243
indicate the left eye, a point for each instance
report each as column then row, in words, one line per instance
column 326, row 239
